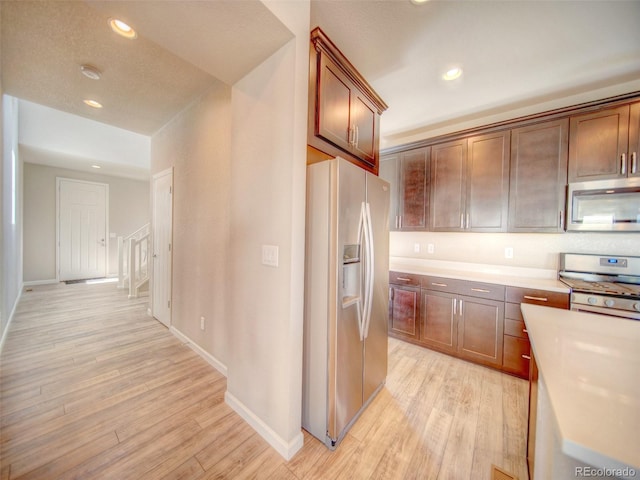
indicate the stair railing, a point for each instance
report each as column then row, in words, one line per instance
column 133, row 264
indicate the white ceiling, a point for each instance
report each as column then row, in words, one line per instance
column 518, row 56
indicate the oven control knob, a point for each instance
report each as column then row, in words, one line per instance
column 592, row 300
column 609, row 303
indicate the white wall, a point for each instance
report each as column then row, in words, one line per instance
column 529, row 249
column 268, row 172
column 11, row 212
column 196, row 144
column 128, row 211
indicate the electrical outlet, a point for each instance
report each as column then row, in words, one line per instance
column 201, row 323
column 431, row 248
column 508, row 252
column 270, row 255
column 416, row 247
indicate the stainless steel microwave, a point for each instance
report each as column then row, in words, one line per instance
column 604, row 205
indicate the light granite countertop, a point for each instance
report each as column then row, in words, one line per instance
column 497, row 274
column 590, row 364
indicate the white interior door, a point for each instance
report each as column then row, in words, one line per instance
column 162, row 229
column 82, row 227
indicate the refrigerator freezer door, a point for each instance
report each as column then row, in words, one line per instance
column 347, row 375
column 375, row 350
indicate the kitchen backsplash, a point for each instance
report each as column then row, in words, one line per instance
column 527, row 250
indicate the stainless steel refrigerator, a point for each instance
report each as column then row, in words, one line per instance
column 346, row 296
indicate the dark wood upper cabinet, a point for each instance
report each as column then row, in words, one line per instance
column 634, row 140
column 470, row 184
column 408, row 174
column 488, row 182
column 537, row 196
column 598, row 145
column 448, row 192
column 344, row 111
column 413, row 205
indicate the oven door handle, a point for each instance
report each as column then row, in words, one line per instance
column 611, row 312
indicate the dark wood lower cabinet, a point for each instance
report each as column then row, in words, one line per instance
column 484, row 329
column 517, row 354
column 480, row 330
column 404, row 305
column 438, row 322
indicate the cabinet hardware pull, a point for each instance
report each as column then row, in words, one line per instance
column 356, row 137
column 539, row 299
column 480, row 290
column 528, row 357
column 462, row 220
column 400, row 222
column 455, row 306
column 467, row 220
column 461, row 307
column 525, row 330
column 404, row 279
column 561, row 219
column 634, row 162
column 623, row 164
column 438, row 284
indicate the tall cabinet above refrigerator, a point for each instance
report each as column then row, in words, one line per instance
column 346, row 296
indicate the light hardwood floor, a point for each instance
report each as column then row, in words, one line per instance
column 93, row 388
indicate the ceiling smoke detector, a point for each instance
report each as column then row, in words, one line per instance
column 91, row 72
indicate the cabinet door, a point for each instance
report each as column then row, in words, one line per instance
column 517, row 354
column 480, row 330
column 537, row 196
column 634, row 140
column 598, row 145
column 334, row 105
column 438, row 321
column 404, row 311
column 364, row 120
column 389, row 172
column 413, row 205
column 487, row 186
column 448, row 180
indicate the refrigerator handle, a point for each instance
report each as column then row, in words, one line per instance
column 361, row 305
column 368, row 299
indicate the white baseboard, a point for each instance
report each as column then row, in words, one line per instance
column 34, row 283
column 213, row 361
column 284, row 448
column 10, row 319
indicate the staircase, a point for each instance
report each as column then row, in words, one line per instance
column 133, row 265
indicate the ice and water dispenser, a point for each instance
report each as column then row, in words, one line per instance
column 351, row 275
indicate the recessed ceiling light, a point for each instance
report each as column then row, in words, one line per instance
column 122, row 28
column 90, row 71
column 93, row 103
column 452, row 73
column 418, row 2
column 96, row 166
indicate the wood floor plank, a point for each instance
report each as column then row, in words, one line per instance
column 93, row 388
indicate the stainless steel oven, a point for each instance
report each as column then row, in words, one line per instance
column 605, row 284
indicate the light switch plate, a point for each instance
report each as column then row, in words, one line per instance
column 270, row 255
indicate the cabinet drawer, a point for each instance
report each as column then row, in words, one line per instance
column 515, row 328
column 463, row 287
column 516, row 356
column 512, row 311
column 409, row 279
column 538, row 297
